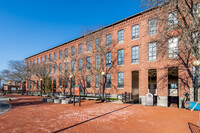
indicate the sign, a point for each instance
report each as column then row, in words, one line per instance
column 76, row 90
column 149, row 100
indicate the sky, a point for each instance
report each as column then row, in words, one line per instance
column 28, row 27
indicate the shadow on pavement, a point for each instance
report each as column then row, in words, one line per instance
column 91, row 119
column 193, row 128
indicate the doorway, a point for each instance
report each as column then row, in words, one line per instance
column 173, row 99
column 135, row 87
column 152, row 84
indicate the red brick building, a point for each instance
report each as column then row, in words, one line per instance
column 140, row 69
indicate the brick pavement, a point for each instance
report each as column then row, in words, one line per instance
column 29, row 114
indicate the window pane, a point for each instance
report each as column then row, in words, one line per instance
column 80, row 49
column 173, row 47
column 120, row 80
column 108, row 80
column 73, row 66
column 80, row 64
column 152, row 51
column 97, row 61
column 108, row 40
column 88, row 47
column 55, row 56
column 98, row 42
column 135, row 31
column 73, row 51
column 135, row 54
column 66, row 52
column 88, row 62
column 172, row 18
column 97, row 81
column 121, row 57
column 152, row 26
column 121, row 36
column 108, row 60
column 60, row 54
column 88, row 81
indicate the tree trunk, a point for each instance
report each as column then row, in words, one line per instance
column 196, row 85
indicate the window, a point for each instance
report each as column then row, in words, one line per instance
column 135, row 54
column 121, row 36
column 45, row 58
column 60, row 68
column 173, row 47
column 152, row 26
column 98, row 42
column 120, row 80
column 80, row 48
column 60, row 83
column 60, row 54
column 97, row 61
column 172, row 18
column 73, row 51
column 152, row 51
column 196, row 44
column 37, row 61
column 41, row 60
column 88, row 62
column 54, row 83
column 49, row 57
column 194, row 77
column 73, row 66
column 88, row 47
column 66, row 83
column 50, row 69
column 108, row 40
column 66, row 53
column 108, row 59
column 55, row 69
column 33, row 62
column 196, row 10
column 88, row 81
column 135, row 31
column 54, row 55
column 80, row 64
column 97, row 81
column 121, row 57
column 108, row 80
column 66, row 67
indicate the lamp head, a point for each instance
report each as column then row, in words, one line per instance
column 103, row 73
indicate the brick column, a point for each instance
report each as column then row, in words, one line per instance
column 162, row 87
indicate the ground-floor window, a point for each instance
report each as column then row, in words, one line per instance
column 88, row 81
column 108, row 80
column 121, row 80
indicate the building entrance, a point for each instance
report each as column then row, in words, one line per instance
column 135, row 87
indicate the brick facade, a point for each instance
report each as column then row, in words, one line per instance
column 161, row 65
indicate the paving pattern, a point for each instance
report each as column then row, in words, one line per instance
column 29, row 114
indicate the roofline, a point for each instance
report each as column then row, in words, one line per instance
column 120, row 21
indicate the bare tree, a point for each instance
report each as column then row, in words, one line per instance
column 178, row 33
column 38, row 75
column 101, row 50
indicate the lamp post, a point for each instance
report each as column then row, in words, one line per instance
column 70, row 77
column 103, row 74
column 41, row 86
column 196, row 64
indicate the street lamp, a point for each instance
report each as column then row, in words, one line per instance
column 41, row 86
column 196, row 64
column 103, row 74
column 71, row 76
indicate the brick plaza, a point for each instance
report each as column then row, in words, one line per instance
column 29, row 114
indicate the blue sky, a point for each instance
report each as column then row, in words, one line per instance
column 28, row 27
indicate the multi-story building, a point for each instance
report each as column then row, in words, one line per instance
column 140, row 69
